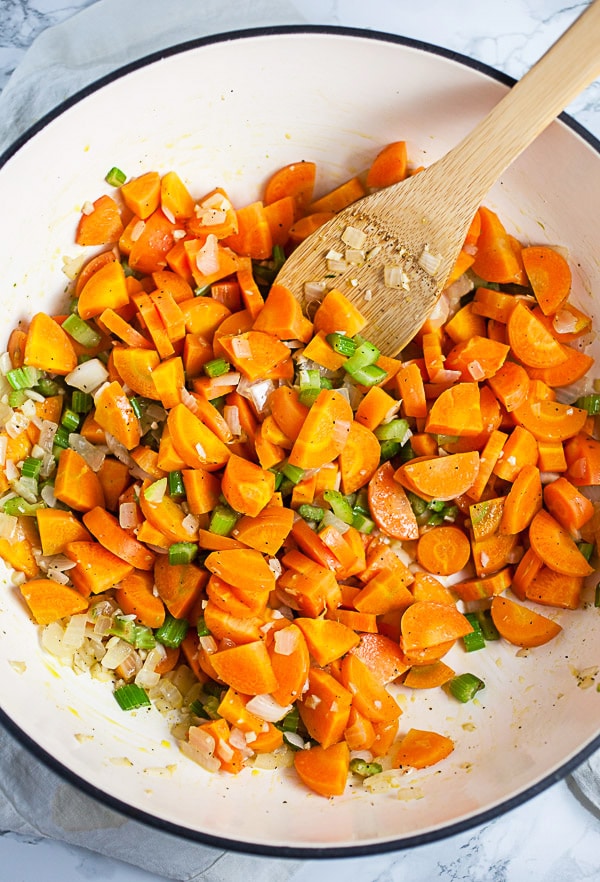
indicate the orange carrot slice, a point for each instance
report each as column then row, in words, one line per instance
column 520, row 625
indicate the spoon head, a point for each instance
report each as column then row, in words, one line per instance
column 385, row 255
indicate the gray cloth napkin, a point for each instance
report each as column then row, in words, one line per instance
column 34, row 801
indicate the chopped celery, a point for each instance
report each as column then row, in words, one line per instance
column 172, row 631
column 182, row 552
column 131, row 696
column 115, row 177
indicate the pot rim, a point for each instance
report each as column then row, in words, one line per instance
column 138, row 815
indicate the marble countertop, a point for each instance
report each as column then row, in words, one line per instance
column 553, row 837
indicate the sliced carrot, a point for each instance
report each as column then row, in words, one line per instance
column 426, row 624
column 48, row 347
column 106, row 529
column 553, row 544
column 523, row 501
column 105, row 289
column 419, row 749
column 101, row 226
column 495, row 305
column 290, row 659
column 550, row 420
column 57, row 527
column 482, row 587
column 175, row 198
column 443, row 550
column 389, row 505
column 360, row 732
column 382, row 656
column 531, row 342
column 477, row 358
column 549, row 275
column 282, row 316
column 427, row 587
column 325, row 707
column 114, row 412
column 246, row 486
column 520, row 625
column 178, row 585
column 359, row 458
column 167, row 517
column 576, row 366
column 567, row 505
column 387, row 590
column 296, row 180
column 582, row 454
column 135, row 367
column 495, row 260
column 253, row 238
column 428, row 676
column 389, row 166
column 197, row 445
column 76, row 484
column 280, row 218
column 305, row 226
column 370, row 697
column 96, row 568
column 246, row 668
column 510, row 384
column 409, row 382
column 520, row 450
column 340, row 197
column 324, row 432
column 324, row 769
column 457, row 411
column 555, row 589
column 142, row 194
column 441, row 478
column 327, row 640
column 49, row 601
column 465, row 323
column 135, row 595
column 337, row 313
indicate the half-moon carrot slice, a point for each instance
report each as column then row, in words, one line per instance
column 444, row 477
column 359, row 459
column 520, row 625
column 324, row 432
column 553, row 544
column 389, row 505
column 426, row 624
column 531, row 341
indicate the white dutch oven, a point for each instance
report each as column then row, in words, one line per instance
column 228, row 111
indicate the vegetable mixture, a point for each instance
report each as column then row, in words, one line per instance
column 250, row 518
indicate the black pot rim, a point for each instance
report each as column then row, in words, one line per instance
column 135, row 814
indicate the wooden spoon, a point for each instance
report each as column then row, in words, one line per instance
column 431, row 211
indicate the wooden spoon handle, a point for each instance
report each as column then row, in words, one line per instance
column 570, row 65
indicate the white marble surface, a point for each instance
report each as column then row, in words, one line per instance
column 552, row 838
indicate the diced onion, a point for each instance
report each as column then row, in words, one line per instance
column 137, row 230
column 241, row 347
column 47, row 433
column 87, row 376
column 286, row 641
column 353, row 237
column 207, row 259
column 265, row 707
column 8, row 525
column 128, row 515
column 92, row 453
column 231, row 413
column 394, row 276
column 429, row 262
